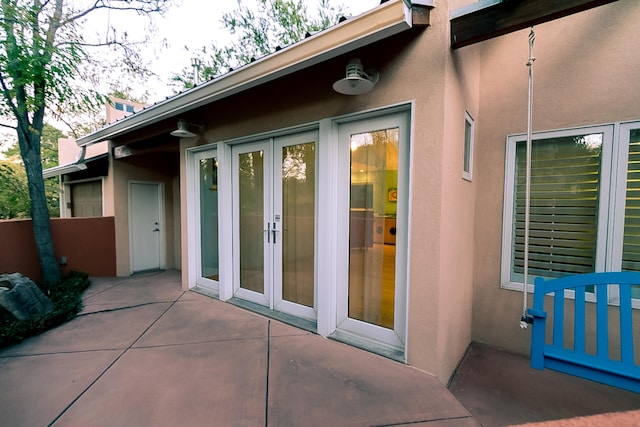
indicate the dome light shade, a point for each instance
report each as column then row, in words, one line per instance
column 186, row 130
column 356, row 81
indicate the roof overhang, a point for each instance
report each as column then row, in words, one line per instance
column 63, row 170
column 79, row 165
column 388, row 19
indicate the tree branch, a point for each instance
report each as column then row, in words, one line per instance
column 8, row 126
column 106, row 4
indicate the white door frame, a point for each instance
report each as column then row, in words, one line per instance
column 194, row 225
column 272, row 297
column 331, row 202
column 255, row 297
column 396, row 337
column 161, row 221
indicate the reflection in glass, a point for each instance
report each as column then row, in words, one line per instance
column 631, row 245
column 565, row 187
column 372, row 228
column 298, row 223
column 209, row 218
column 251, row 195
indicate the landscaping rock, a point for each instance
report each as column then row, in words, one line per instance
column 22, row 298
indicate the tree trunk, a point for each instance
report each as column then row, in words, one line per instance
column 39, row 212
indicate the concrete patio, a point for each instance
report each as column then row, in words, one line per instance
column 145, row 353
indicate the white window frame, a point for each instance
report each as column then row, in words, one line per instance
column 619, row 195
column 468, row 147
column 611, row 209
column 603, row 205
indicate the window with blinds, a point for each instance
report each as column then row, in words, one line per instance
column 631, row 241
column 565, row 186
column 585, row 204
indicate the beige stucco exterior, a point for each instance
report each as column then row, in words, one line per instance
column 585, row 74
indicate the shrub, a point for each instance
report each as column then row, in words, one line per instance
column 67, row 300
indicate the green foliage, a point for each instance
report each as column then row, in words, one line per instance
column 67, row 300
column 259, row 31
column 14, row 193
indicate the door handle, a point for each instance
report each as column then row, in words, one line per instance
column 268, row 231
column 275, row 230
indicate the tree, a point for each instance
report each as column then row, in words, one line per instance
column 259, row 31
column 42, row 50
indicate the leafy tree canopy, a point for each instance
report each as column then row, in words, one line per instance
column 14, row 192
column 45, row 68
column 258, row 31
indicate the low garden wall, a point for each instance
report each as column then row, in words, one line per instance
column 88, row 244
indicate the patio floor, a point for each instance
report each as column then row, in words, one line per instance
column 145, row 353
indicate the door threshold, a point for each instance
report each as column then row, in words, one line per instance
column 297, row 322
column 206, row 292
column 369, row 345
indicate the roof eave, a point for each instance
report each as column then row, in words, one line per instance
column 384, row 21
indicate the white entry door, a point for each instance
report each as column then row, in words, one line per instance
column 274, row 211
column 145, row 226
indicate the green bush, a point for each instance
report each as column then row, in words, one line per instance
column 67, row 300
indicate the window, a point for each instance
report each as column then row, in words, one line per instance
column 119, row 106
column 469, row 132
column 585, row 203
column 129, row 108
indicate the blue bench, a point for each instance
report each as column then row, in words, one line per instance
column 619, row 372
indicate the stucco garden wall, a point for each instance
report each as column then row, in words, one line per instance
column 87, row 243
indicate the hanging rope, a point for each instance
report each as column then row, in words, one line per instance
column 524, row 321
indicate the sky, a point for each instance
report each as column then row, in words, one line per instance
column 197, row 23
column 191, row 23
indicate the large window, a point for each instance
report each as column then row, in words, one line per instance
column 585, row 203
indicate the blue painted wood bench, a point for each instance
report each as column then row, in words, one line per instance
column 619, row 372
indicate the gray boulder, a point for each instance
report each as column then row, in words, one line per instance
column 22, row 298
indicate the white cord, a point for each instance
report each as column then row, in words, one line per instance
column 527, row 203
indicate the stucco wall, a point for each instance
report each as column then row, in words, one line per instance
column 160, row 168
column 586, row 73
column 458, row 212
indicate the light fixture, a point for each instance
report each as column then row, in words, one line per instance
column 356, row 81
column 186, row 130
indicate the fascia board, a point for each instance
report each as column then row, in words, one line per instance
column 384, row 21
column 62, row 170
column 473, row 7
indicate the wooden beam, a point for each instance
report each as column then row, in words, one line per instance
column 512, row 15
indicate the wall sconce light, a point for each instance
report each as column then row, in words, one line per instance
column 186, row 130
column 356, row 81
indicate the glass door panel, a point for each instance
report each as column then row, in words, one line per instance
column 295, row 196
column 274, row 201
column 372, row 214
column 208, row 184
column 251, row 219
column 372, row 232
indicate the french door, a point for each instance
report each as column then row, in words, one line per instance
column 274, row 232
column 372, row 235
